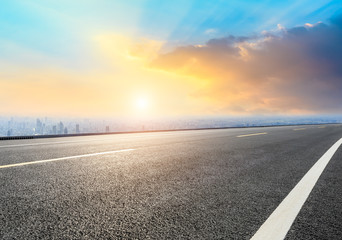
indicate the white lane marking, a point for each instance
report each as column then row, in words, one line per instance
column 63, row 158
column 322, row 127
column 118, row 136
column 279, row 222
column 47, row 143
column 298, row 129
column 252, row 134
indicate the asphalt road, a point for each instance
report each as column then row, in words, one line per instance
column 206, row 184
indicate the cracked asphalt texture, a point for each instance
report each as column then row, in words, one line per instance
column 205, row 184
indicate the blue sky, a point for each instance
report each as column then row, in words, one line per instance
column 65, row 43
column 60, row 27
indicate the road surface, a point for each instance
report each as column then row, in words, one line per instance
column 205, row 184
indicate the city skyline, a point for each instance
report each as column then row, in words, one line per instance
column 47, row 126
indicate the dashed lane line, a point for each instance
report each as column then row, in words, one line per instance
column 298, row 129
column 252, row 134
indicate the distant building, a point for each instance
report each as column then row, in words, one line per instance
column 54, row 129
column 65, row 130
column 39, row 127
column 9, row 132
column 60, row 128
column 77, row 128
column 107, row 129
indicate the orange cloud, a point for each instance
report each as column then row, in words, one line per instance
column 297, row 71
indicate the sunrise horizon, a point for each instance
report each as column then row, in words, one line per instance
column 57, row 61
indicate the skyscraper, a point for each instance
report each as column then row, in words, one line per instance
column 54, row 129
column 60, row 128
column 39, row 127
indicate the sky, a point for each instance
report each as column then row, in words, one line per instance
column 151, row 58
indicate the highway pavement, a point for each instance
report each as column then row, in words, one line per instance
column 199, row 184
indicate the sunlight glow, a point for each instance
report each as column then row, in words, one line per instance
column 142, row 103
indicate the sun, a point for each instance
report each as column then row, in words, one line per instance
column 142, row 103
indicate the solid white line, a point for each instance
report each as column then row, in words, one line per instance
column 280, row 221
column 252, row 134
column 63, row 158
column 112, row 137
column 48, row 143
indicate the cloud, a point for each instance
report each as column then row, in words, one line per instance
column 295, row 70
column 210, row 31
